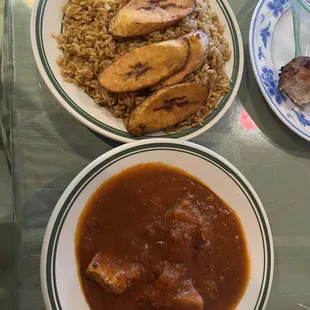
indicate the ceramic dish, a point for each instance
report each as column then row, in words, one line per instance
column 271, row 47
column 59, row 274
column 46, row 19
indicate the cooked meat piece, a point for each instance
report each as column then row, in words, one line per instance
column 186, row 223
column 188, row 298
column 167, row 107
column 205, row 237
column 171, row 290
column 168, row 278
column 145, row 66
column 211, row 289
column 141, row 17
column 198, row 49
column 206, row 232
column 295, row 80
column 183, row 236
column 113, row 274
column 184, row 210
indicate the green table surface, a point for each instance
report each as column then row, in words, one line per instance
column 48, row 147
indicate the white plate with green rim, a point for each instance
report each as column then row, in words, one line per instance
column 47, row 18
column 59, row 272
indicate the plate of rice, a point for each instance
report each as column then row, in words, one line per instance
column 73, row 46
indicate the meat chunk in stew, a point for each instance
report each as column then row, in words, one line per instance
column 188, row 298
column 167, row 277
column 171, row 290
column 112, row 274
column 170, row 276
column 186, row 223
column 185, row 211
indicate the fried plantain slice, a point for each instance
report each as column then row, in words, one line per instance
column 167, row 107
column 145, row 66
column 198, row 49
column 141, row 17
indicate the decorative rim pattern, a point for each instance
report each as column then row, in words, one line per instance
column 265, row 17
column 123, row 136
column 51, row 238
column 305, row 4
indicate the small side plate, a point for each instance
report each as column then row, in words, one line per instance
column 270, row 49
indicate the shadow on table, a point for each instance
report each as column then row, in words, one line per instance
column 90, row 146
column 66, row 147
column 255, row 104
column 103, row 144
column 74, row 146
column 7, row 265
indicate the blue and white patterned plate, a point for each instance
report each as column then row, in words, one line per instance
column 270, row 49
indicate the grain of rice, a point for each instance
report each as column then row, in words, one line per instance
column 87, row 49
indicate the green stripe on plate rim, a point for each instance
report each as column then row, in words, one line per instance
column 41, row 51
column 55, row 234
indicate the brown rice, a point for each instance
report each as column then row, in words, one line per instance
column 87, row 49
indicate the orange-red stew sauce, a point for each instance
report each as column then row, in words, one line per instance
column 154, row 237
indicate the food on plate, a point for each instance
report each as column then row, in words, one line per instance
column 170, row 277
column 88, row 49
column 140, row 17
column 145, row 66
column 188, row 298
column 185, row 211
column 112, row 274
column 155, row 237
column 295, row 80
column 167, row 107
column 198, row 52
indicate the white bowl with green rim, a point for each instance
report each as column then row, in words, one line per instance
column 47, row 18
column 59, row 273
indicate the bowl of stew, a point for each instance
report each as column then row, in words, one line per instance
column 161, row 224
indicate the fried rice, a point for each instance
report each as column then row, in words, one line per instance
column 87, row 49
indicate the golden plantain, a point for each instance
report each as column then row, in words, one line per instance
column 167, row 107
column 140, row 17
column 198, row 50
column 145, row 66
